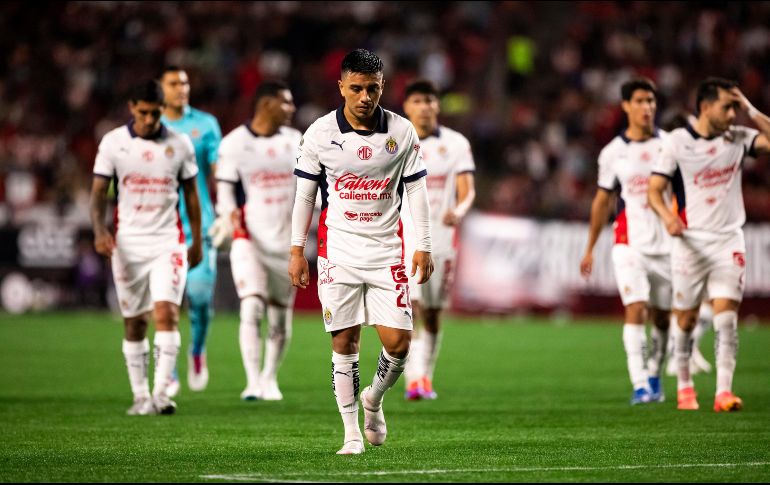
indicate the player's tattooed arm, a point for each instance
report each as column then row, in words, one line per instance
column 600, row 212
column 192, row 202
column 103, row 240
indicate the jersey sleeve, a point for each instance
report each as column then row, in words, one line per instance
column 189, row 168
column 414, row 166
column 308, row 163
column 214, row 138
column 227, row 170
column 104, row 165
column 747, row 137
column 666, row 164
column 607, row 178
column 465, row 162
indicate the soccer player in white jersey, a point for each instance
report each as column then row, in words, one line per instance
column 449, row 161
column 703, row 161
column 149, row 257
column 365, row 160
column 261, row 155
column 641, row 254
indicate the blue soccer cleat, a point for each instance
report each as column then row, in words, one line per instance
column 641, row 396
column 656, row 391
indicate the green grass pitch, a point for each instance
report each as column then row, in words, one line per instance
column 519, row 400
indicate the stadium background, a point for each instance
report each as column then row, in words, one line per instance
column 534, row 86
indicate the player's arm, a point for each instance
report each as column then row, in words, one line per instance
column 655, row 196
column 103, row 240
column 192, row 202
column 466, row 194
column 600, row 211
column 221, row 231
column 762, row 141
column 419, row 208
column 304, row 202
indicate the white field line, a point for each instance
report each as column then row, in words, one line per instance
column 253, row 477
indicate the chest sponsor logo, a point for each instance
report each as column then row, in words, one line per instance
column 267, row 179
column 638, row 185
column 356, row 187
column 711, row 177
column 391, row 146
column 364, row 153
column 362, row 216
column 351, row 216
column 436, row 181
column 139, row 183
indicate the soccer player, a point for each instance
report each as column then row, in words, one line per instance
column 203, row 130
column 703, row 161
column 642, row 249
column 148, row 162
column 449, row 161
column 364, row 159
column 261, row 156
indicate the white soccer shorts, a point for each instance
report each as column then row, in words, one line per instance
column 435, row 293
column 717, row 268
column 642, row 277
column 256, row 273
column 145, row 275
column 360, row 296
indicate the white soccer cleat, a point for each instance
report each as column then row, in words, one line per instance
column 163, row 404
column 251, row 393
column 142, row 406
column 270, row 391
column 197, row 378
column 698, row 363
column 352, row 447
column 374, row 421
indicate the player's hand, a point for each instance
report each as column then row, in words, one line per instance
column 299, row 272
column 675, row 226
column 424, row 261
column 740, row 98
column 450, row 219
column 587, row 265
column 221, row 231
column 194, row 255
column 104, row 243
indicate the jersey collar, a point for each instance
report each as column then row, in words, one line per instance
column 436, row 133
column 696, row 135
column 160, row 133
column 379, row 113
column 655, row 134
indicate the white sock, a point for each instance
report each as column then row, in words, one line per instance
column 726, row 348
column 635, row 341
column 345, row 384
column 166, row 350
column 682, row 352
column 137, row 356
column 389, row 369
column 414, row 368
column 248, row 338
column 279, row 334
column 705, row 317
column 431, row 345
column 658, row 351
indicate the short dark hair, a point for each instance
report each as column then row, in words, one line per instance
column 149, row 91
column 167, row 69
column 421, row 86
column 643, row 83
column 362, row 61
column 269, row 89
column 708, row 90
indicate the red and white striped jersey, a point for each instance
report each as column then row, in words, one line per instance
column 706, row 177
column 361, row 175
column 625, row 166
column 264, row 166
column 147, row 174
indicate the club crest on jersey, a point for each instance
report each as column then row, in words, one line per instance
column 391, row 146
column 169, row 151
column 195, row 133
column 739, row 259
column 327, row 316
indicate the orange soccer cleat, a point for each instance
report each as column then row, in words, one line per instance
column 687, row 399
column 727, row 401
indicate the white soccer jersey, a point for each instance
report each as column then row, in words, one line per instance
column 446, row 154
column 706, row 177
column 361, row 175
column 147, row 174
column 626, row 165
column 264, row 165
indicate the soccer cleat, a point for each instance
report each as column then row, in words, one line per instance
column 641, row 396
column 698, row 363
column 352, row 447
column 163, row 404
column 426, row 389
column 374, row 421
column 251, row 393
column 270, row 391
column 197, row 372
column 686, row 399
column 413, row 391
column 172, row 389
column 656, row 390
column 726, row 401
column 142, row 407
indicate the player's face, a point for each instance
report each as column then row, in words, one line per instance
column 721, row 113
column 422, row 110
column 281, row 107
column 176, row 89
column 640, row 109
column 146, row 117
column 362, row 93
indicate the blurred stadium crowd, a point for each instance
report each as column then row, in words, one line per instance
column 534, row 86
